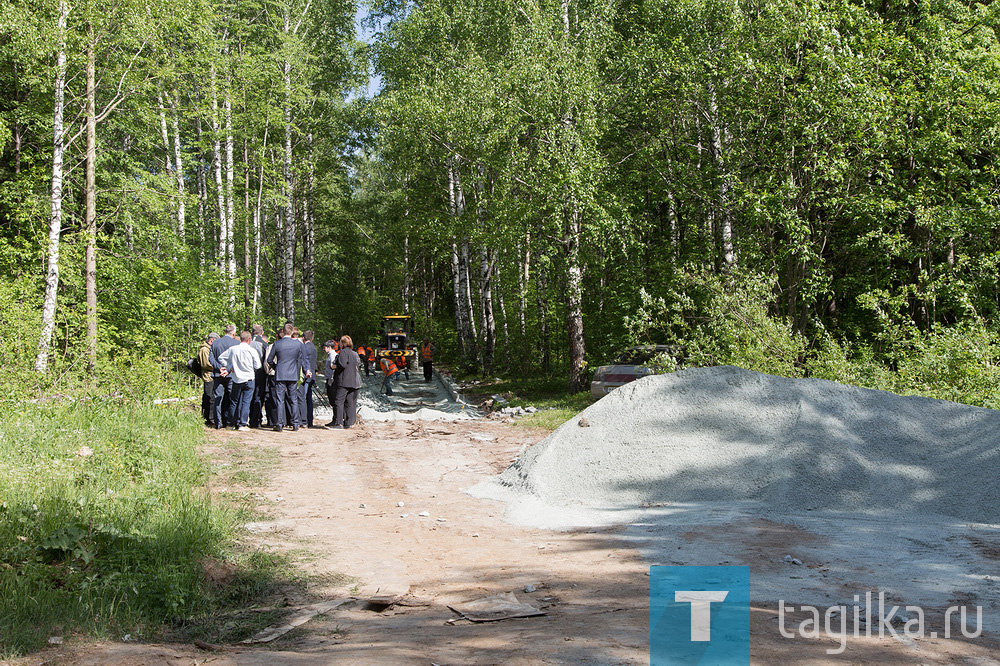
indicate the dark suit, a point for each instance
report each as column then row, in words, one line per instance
column 331, row 388
column 222, row 386
column 347, row 377
column 289, row 362
column 260, row 385
column 306, row 399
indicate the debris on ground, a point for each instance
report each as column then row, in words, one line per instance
column 304, row 615
column 497, row 607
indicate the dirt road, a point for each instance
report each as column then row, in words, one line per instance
column 335, row 500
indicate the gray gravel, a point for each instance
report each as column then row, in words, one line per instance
column 730, row 435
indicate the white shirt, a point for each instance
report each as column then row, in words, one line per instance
column 242, row 361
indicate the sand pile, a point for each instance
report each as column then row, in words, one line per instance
column 730, row 435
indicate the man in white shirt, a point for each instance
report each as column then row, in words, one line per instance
column 241, row 363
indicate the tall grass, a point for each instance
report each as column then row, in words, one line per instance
column 104, row 523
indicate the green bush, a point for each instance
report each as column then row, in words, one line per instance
column 104, row 523
column 719, row 320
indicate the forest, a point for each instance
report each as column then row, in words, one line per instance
column 807, row 188
column 803, row 187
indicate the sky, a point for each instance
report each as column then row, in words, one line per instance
column 365, row 35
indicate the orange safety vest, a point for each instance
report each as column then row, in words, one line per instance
column 426, row 353
column 362, row 352
column 389, row 367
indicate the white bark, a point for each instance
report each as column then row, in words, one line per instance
column 202, row 201
column 178, row 172
column 90, row 197
column 163, row 132
column 55, row 217
column 257, row 222
column 309, row 251
column 220, row 196
column 230, row 207
column 286, row 188
column 725, row 186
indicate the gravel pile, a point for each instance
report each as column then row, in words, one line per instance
column 725, row 434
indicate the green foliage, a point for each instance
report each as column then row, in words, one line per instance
column 713, row 320
column 104, row 524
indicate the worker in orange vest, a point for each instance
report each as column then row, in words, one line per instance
column 363, row 353
column 427, row 359
column 390, row 369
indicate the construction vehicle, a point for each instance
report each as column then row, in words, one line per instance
column 395, row 339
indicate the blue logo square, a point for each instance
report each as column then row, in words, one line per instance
column 699, row 615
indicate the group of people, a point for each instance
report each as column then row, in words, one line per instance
column 247, row 378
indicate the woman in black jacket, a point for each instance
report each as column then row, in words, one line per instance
column 347, row 378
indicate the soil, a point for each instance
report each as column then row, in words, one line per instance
column 334, row 498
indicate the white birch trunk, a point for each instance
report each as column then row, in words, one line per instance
column 258, row 221
column 90, row 196
column 220, row 191
column 230, row 204
column 288, row 260
column 55, row 217
column 202, row 200
column 725, row 186
column 178, row 172
column 163, row 133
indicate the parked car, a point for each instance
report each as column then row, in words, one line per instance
column 630, row 366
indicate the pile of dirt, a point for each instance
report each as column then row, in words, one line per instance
column 730, row 435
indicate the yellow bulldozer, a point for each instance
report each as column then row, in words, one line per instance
column 396, row 339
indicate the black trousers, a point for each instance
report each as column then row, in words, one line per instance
column 428, row 370
column 346, row 410
column 257, row 402
column 331, row 396
column 286, row 398
column 270, row 405
column 306, row 403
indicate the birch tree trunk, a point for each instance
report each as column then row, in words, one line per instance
column 230, row 204
column 309, row 249
column 220, row 191
column 55, row 217
column 459, row 301
column 202, row 200
column 524, row 274
column 178, row 170
column 486, row 297
column 286, row 188
column 463, row 274
column 503, row 313
column 258, row 222
column 406, row 271
column 247, row 221
column 463, row 314
column 725, row 215
column 167, row 161
column 574, row 301
column 90, row 196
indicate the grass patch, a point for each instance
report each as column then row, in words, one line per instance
column 105, row 526
column 549, row 395
column 251, row 466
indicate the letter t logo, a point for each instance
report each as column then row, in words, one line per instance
column 701, row 611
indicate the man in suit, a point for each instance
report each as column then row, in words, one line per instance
column 223, row 412
column 306, row 399
column 288, row 361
